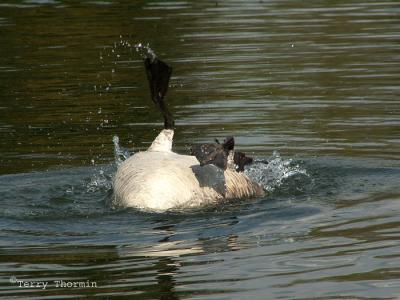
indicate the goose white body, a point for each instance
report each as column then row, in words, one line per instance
column 159, row 179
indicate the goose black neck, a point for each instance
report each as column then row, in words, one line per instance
column 158, row 75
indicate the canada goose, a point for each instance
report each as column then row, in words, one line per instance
column 159, row 179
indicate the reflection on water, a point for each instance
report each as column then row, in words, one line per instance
column 316, row 81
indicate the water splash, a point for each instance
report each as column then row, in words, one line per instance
column 145, row 51
column 115, row 58
column 279, row 175
column 120, row 154
column 100, row 181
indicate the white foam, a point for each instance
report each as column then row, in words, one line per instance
column 277, row 172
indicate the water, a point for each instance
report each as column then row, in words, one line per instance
column 310, row 89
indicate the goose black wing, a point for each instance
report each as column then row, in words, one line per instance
column 214, row 153
column 240, row 159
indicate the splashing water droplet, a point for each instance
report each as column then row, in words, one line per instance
column 100, row 180
column 145, row 51
column 119, row 154
column 279, row 175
